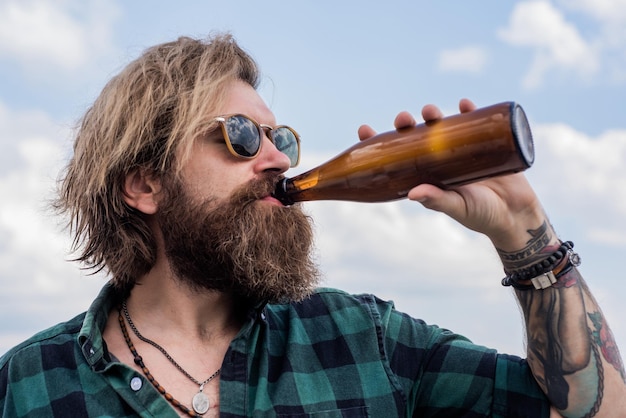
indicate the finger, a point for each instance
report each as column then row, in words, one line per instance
column 365, row 132
column 431, row 112
column 466, row 105
column 404, row 120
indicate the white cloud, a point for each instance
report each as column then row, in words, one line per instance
column 66, row 35
column 608, row 236
column 37, row 286
column 591, row 171
column 469, row 59
column 603, row 10
column 610, row 35
column 582, row 38
column 557, row 43
column 17, row 130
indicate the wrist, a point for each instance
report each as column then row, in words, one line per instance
column 521, row 228
column 523, row 250
column 546, row 272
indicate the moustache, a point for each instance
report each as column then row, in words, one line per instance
column 256, row 189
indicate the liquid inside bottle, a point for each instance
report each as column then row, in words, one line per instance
column 456, row 150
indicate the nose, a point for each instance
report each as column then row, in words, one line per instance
column 270, row 158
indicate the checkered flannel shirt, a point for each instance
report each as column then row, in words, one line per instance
column 333, row 355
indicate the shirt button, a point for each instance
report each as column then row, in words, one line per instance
column 136, row 383
column 263, row 316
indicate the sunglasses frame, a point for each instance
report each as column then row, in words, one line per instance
column 260, row 128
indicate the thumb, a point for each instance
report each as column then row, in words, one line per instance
column 432, row 197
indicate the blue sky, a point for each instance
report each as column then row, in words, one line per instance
column 329, row 67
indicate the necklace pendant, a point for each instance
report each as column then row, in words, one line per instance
column 200, row 403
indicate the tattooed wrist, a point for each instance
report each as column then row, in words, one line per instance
column 538, row 247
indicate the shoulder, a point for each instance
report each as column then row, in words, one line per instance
column 54, row 339
column 330, row 302
column 360, row 311
column 330, row 308
column 50, row 374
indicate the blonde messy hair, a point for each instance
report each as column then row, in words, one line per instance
column 146, row 118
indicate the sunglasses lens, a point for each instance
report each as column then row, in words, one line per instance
column 243, row 135
column 287, row 143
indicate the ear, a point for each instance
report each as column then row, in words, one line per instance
column 140, row 190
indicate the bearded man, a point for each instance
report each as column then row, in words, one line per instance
column 212, row 306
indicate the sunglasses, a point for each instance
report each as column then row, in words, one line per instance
column 244, row 135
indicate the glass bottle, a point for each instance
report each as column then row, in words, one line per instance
column 452, row 151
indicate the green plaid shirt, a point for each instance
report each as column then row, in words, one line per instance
column 333, row 355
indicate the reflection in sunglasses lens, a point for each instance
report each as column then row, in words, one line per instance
column 245, row 138
column 243, row 135
column 285, row 142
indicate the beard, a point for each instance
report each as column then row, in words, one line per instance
column 256, row 251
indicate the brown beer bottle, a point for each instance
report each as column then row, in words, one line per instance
column 456, row 150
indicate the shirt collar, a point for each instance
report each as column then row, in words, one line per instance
column 90, row 337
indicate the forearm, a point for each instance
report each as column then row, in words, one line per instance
column 571, row 350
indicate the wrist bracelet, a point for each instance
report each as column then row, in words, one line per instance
column 545, row 273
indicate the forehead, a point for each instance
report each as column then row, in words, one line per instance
column 241, row 97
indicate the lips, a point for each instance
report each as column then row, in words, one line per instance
column 271, row 199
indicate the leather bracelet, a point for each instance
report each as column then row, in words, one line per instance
column 547, row 272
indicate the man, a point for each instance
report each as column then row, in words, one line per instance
column 211, row 309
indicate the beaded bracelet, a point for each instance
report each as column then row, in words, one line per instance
column 545, row 273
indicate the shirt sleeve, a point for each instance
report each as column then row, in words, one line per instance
column 445, row 374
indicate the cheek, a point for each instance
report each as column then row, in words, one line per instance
column 211, row 173
column 203, row 167
column 216, row 182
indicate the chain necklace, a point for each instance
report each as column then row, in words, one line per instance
column 139, row 361
column 200, row 401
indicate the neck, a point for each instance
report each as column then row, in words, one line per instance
column 161, row 304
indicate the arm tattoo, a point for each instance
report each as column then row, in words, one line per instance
column 559, row 341
column 603, row 338
column 569, row 342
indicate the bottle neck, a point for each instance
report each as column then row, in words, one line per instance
column 281, row 192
